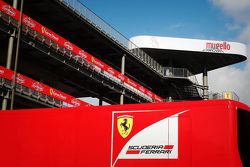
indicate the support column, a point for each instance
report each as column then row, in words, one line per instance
column 9, row 59
column 123, row 72
column 16, row 57
column 5, row 100
column 205, row 84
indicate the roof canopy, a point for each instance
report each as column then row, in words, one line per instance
column 193, row 54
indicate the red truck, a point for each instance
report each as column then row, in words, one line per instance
column 212, row 133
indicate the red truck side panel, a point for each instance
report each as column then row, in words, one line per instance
column 179, row 134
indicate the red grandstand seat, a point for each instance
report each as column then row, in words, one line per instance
column 14, row 22
column 26, row 91
column 68, row 54
column 35, row 94
column 54, row 45
column 43, row 97
column 50, row 100
column 7, row 83
column 40, row 37
column 19, row 88
column 58, row 103
column 61, row 50
column 77, row 58
column 32, row 33
column 25, row 29
column 6, row 18
column 86, row 63
column 48, row 42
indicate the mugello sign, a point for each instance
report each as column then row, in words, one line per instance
column 219, row 46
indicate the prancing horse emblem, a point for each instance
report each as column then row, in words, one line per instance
column 124, row 125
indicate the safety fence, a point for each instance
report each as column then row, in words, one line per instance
column 224, row 95
column 37, row 90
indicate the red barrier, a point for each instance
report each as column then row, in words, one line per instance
column 42, row 88
column 7, row 9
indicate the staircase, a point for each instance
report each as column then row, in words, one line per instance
column 191, row 92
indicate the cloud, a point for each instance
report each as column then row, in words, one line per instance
column 231, row 78
column 233, row 27
column 232, row 6
column 237, row 9
column 245, row 36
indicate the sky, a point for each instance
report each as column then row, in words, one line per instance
column 201, row 19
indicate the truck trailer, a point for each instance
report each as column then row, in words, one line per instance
column 211, row 133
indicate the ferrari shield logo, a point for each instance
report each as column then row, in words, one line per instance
column 124, row 125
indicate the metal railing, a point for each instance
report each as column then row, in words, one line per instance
column 27, row 92
column 124, row 42
column 224, row 95
column 112, row 33
column 200, row 91
column 172, row 72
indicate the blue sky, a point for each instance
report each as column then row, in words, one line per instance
column 203, row 19
column 175, row 18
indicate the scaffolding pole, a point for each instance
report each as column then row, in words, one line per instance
column 205, row 84
column 19, row 28
column 9, row 59
column 123, row 72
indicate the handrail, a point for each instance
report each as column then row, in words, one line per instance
column 172, row 72
column 111, row 32
column 107, row 29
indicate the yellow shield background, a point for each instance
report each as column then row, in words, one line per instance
column 125, row 125
column 228, row 95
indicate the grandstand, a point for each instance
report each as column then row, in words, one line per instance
column 36, row 91
column 66, row 46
